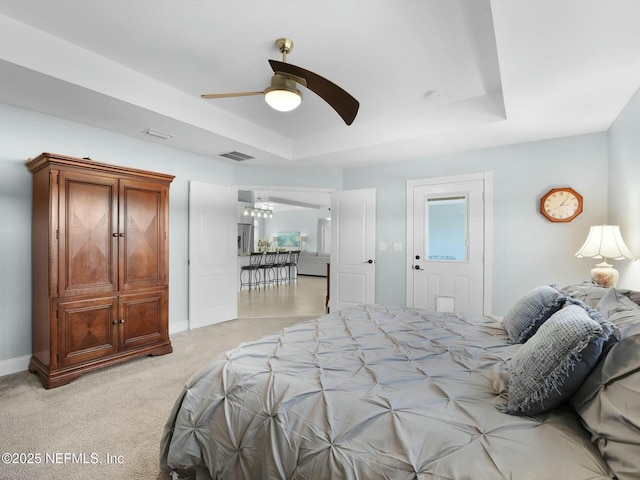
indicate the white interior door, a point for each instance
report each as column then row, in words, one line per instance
column 447, row 245
column 213, row 263
column 353, row 268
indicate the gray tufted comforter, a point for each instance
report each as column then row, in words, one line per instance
column 372, row 392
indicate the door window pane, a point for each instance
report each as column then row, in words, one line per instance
column 446, row 224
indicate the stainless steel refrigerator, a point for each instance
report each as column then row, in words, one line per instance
column 245, row 238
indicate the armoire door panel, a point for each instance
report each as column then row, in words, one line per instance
column 87, row 245
column 87, row 330
column 143, row 319
column 143, row 226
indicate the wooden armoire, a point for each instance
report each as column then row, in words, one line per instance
column 100, row 266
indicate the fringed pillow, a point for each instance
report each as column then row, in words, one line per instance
column 547, row 370
column 531, row 311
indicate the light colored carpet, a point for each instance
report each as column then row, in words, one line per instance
column 115, row 414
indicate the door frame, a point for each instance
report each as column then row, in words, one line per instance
column 284, row 188
column 487, row 178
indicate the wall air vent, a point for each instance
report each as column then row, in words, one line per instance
column 237, row 156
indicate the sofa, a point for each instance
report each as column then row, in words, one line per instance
column 313, row 263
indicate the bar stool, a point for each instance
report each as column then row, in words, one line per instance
column 266, row 267
column 292, row 263
column 252, row 270
column 280, row 267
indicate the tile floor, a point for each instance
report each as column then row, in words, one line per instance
column 305, row 298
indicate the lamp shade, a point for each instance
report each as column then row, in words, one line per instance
column 605, row 241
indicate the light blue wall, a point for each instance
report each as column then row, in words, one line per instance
column 624, row 187
column 15, row 250
column 528, row 249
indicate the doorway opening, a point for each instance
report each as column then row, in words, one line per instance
column 300, row 220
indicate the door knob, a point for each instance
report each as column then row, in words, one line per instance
column 417, row 267
column 369, row 261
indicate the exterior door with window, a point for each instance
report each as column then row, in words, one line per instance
column 447, row 245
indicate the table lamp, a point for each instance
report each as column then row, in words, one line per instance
column 604, row 241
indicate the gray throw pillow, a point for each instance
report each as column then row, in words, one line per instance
column 632, row 295
column 531, row 311
column 618, row 308
column 608, row 402
column 546, row 371
column 589, row 292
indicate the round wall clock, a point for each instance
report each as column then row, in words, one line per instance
column 561, row 204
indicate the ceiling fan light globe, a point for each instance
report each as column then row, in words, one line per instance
column 283, row 100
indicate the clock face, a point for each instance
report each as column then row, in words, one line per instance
column 561, row 204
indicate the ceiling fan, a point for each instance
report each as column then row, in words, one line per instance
column 283, row 95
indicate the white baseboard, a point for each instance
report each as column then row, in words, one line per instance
column 178, row 327
column 14, row 365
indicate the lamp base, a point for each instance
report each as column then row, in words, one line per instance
column 605, row 275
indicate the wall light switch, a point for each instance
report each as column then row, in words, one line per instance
column 382, row 246
column 397, row 247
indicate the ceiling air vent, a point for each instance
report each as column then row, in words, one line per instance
column 157, row 133
column 237, row 156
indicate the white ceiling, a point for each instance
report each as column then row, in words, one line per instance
column 507, row 71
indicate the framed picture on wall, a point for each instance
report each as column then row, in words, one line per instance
column 289, row 239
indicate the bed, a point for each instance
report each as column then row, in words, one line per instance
column 388, row 392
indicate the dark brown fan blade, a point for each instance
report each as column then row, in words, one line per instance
column 341, row 101
column 228, row 95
